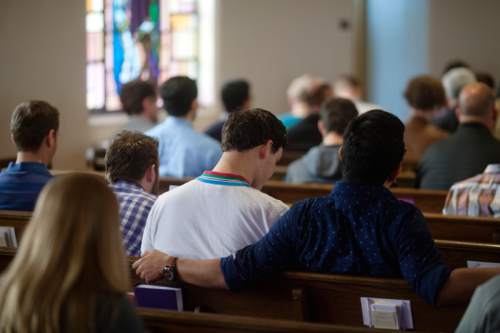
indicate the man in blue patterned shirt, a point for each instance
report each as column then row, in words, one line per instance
column 360, row 228
column 132, row 169
column 33, row 128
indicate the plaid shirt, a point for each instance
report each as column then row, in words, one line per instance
column 476, row 196
column 135, row 205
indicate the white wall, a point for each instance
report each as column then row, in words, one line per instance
column 43, row 57
column 272, row 42
column 464, row 29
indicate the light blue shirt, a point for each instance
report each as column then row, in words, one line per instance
column 183, row 151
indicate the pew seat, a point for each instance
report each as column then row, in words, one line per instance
column 158, row 321
column 304, row 296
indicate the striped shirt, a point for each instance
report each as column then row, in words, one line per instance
column 135, row 204
column 476, row 196
column 21, row 183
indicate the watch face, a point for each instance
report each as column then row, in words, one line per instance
column 168, row 273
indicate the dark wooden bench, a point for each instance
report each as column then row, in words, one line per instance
column 405, row 179
column 326, row 298
column 431, row 201
column 455, row 251
column 15, row 219
column 463, row 228
column 158, row 321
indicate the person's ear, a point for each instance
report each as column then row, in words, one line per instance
column 151, row 173
column 321, row 128
column 265, row 149
column 51, row 138
column 195, row 105
column 341, row 153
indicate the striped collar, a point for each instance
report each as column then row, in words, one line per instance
column 225, row 179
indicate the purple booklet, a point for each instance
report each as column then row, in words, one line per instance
column 159, row 297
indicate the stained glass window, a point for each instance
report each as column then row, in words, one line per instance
column 131, row 39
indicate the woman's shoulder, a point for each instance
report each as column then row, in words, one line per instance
column 115, row 313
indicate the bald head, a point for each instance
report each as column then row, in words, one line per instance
column 476, row 100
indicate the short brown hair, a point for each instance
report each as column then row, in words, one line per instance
column 425, row 93
column 133, row 93
column 130, row 155
column 244, row 130
column 336, row 113
column 31, row 122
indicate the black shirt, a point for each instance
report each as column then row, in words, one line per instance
column 305, row 134
column 464, row 154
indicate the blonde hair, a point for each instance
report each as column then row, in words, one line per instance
column 71, row 252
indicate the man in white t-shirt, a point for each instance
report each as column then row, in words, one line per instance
column 223, row 210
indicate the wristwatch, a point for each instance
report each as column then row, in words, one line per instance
column 170, row 269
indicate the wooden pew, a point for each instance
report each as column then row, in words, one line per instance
column 312, row 297
column 431, row 201
column 158, row 321
column 15, row 219
column 405, row 179
column 456, row 254
column 464, row 228
column 474, row 246
column 326, row 298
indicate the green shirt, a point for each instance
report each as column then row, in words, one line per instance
column 483, row 313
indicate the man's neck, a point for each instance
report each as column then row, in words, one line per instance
column 477, row 120
column 426, row 115
column 241, row 164
column 25, row 156
column 332, row 139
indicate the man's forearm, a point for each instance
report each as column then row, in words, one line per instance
column 204, row 273
column 460, row 286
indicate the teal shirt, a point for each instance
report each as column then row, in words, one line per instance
column 289, row 120
column 483, row 313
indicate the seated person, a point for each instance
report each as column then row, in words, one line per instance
column 348, row 86
column 305, row 134
column 321, row 164
column 296, row 92
column 235, row 96
column 223, row 210
column 467, row 151
column 476, row 196
column 360, row 228
column 183, row 151
column 481, row 315
column 132, row 170
column 453, row 81
column 70, row 273
column 425, row 96
column 33, row 128
column 138, row 100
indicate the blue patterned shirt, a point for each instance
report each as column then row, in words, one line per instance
column 135, row 204
column 357, row 229
column 183, row 151
column 20, row 185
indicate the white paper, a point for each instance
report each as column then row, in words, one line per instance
column 387, row 313
column 482, row 264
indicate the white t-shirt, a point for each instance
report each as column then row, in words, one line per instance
column 210, row 217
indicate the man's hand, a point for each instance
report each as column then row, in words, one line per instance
column 150, row 266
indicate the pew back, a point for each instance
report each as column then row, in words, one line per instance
column 431, row 201
column 157, row 321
